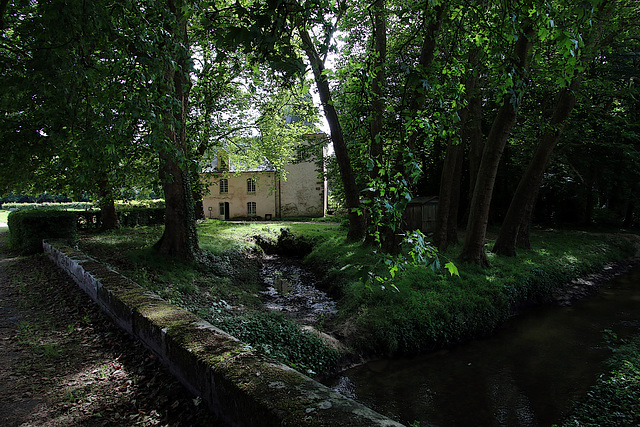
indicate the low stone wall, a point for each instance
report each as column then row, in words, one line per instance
column 239, row 385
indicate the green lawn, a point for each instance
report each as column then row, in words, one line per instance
column 3, row 215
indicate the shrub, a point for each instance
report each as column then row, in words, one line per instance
column 280, row 337
column 56, row 205
column 27, row 228
column 141, row 216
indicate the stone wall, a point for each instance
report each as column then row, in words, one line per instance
column 242, row 387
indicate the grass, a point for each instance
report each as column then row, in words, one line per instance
column 220, row 237
column 433, row 309
column 430, row 309
column 613, row 401
column 4, row 214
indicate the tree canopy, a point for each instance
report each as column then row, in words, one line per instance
column 513, row 111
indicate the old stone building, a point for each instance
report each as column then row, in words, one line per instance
column 263, row 192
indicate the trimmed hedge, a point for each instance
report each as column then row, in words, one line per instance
column 131, row 217
column 27, row 228
column 141, row 216
column 55, row 206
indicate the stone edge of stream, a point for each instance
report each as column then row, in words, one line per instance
column 237, row 384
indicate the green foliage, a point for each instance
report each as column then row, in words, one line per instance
column 278, row 336
column 431, row 310
column 27, row 228
column 613, row 401
column 134, row 217
column 127, row 217
column 387, row 196
column 419, row 253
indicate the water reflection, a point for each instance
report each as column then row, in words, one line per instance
column 527, row 374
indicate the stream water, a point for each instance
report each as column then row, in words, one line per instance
column 528, row 374
column 290, row 289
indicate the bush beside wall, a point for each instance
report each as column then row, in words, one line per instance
column 27, row 228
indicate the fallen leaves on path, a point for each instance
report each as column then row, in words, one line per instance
column 64, row 363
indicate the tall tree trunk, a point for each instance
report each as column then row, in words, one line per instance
column 628, row 214
column 179, row 239
column 589, row 199
column 476, row 140
column 352, row 197
column 446, row 195
column 519, row 212
column 454, row 204
column 108, row 215
column 377, row 103
column 427, row 53
column 473, row 247
column 446, row 231
column 379, row 38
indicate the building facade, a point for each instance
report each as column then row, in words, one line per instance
column 265, row 193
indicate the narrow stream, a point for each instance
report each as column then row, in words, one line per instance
column 290, row 289
column 528, row 374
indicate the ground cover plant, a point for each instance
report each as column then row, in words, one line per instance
column 613, row 401
column 429, row 309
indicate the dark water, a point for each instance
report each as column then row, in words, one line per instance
column 527, row 374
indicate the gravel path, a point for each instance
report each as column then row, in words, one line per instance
column 64, row 363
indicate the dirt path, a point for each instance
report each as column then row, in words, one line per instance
column 63, row 363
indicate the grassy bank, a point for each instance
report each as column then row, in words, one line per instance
column 429, row 310
column 613, row 401
column 224, row 286
column 433, row 309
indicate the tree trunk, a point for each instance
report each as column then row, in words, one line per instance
column 445, row 200
column 628, row 215
column 521, row 206
column 179, row 239
column 454, row 204
column 427, row 53
column 108, row 215
column 476, row 140
column 472, row 129
column 377, row 104
column 446, row 231
column 352, row 197
column 473, row 247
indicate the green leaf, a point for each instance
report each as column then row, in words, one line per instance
column 453, row 270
